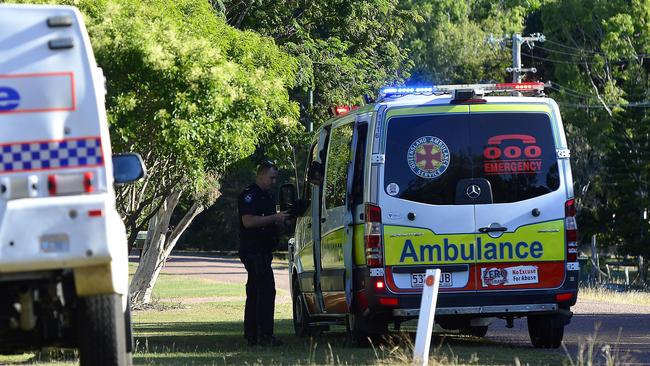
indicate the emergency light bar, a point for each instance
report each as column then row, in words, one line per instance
column 389, row 92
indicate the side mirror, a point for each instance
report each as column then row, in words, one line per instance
column 128, row 168
column 287, row 197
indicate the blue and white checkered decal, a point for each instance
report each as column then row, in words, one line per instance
column 44, row 155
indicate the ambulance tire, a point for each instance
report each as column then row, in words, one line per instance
column 363, row 331
column 545, row 337
column 101, row 334
column 477, row 331
column 128, row 327
column 301, row 317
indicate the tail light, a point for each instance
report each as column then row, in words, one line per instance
column 571, row 230
column 372, row 236
column 70, row 183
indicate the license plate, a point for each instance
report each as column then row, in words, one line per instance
column 57, row 243
column 417, row 279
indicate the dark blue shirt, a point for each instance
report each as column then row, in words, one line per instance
column 254, row 201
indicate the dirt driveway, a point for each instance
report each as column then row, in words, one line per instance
column 626, row 328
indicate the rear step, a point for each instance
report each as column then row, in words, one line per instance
column 327, row 323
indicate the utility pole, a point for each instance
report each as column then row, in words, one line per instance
column 517, row 40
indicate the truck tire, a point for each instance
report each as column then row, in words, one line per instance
column 300, row 315
column 364, row 331
column 128, row 328
column 101, row 335
column 545, row 337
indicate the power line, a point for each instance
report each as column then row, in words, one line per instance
column 574, row 62
column 588, row 106
column 568, row 90
column 563, row 52
column 555, row 61
column 570, row 47
column 579, row 50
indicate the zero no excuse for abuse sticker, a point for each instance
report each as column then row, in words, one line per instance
column 428, row 157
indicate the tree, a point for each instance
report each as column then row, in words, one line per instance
column 344, row 48
column 597, row 56
column 449, row 42
column 192, row 95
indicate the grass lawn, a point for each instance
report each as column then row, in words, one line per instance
column 211, row 334
column 608, row 296
column 175, row 332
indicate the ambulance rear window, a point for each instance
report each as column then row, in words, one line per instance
column 427, row 156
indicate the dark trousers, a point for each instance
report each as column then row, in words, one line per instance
column 260, row 295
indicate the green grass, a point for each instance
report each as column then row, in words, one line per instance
column 210, row 333
column 179, row 287
column 608, row 296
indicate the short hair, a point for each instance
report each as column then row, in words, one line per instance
column 264, row 166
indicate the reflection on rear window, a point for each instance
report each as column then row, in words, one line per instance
column 427, row 156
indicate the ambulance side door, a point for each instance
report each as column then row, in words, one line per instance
column 333, row 220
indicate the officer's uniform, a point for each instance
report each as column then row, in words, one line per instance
column 255, row 252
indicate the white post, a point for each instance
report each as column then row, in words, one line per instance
column 425, row 321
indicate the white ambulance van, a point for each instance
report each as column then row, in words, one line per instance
column 63, row 251
column 472, row 179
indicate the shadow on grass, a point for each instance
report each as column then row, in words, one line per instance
column 202, row 343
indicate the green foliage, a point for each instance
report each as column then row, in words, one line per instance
column 344, row 48
column 448, row 43
column 605, row 75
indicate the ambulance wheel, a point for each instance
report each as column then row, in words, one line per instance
column 545, row 337
column 101, row 336
column 128, row 327
column 364, row 331
column 300, row 315
column 477, row 331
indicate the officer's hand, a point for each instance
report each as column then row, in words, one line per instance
column 281, row 217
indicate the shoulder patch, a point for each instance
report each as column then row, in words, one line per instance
column 248, row 198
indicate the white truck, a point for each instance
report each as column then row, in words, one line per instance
column 63, row 250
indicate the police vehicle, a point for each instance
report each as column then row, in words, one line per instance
column 472, row 179
column 63, row 250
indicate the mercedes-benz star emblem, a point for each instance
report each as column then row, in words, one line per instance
column 473, row 191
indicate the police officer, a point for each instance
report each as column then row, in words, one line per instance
column 258, row 234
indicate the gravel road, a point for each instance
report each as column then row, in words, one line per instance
column 625, row 328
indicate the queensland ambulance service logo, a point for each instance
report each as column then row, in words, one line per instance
column 428, row 157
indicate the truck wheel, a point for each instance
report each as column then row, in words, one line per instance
column 101, row 336
column 300, row 315
column 542, row 337
column 478, row 331
column 363, row 331
column 128, row 328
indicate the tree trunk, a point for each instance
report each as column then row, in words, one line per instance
column 642, row 265
column 158, row 246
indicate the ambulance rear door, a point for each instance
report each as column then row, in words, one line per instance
column 427, row 157
column 519, row 196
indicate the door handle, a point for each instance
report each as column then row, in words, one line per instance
column 323, row 219
column 492, row 229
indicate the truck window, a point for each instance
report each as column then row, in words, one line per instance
column 516, row 153
column 357, row 183
column 338, row 159
column 307, row 187
column 426, row 156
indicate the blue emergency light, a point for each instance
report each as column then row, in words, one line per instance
column 405, row 90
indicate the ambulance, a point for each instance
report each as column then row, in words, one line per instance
column 472, row 179
column 63, row 249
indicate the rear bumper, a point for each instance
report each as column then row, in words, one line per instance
column 487, row 310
